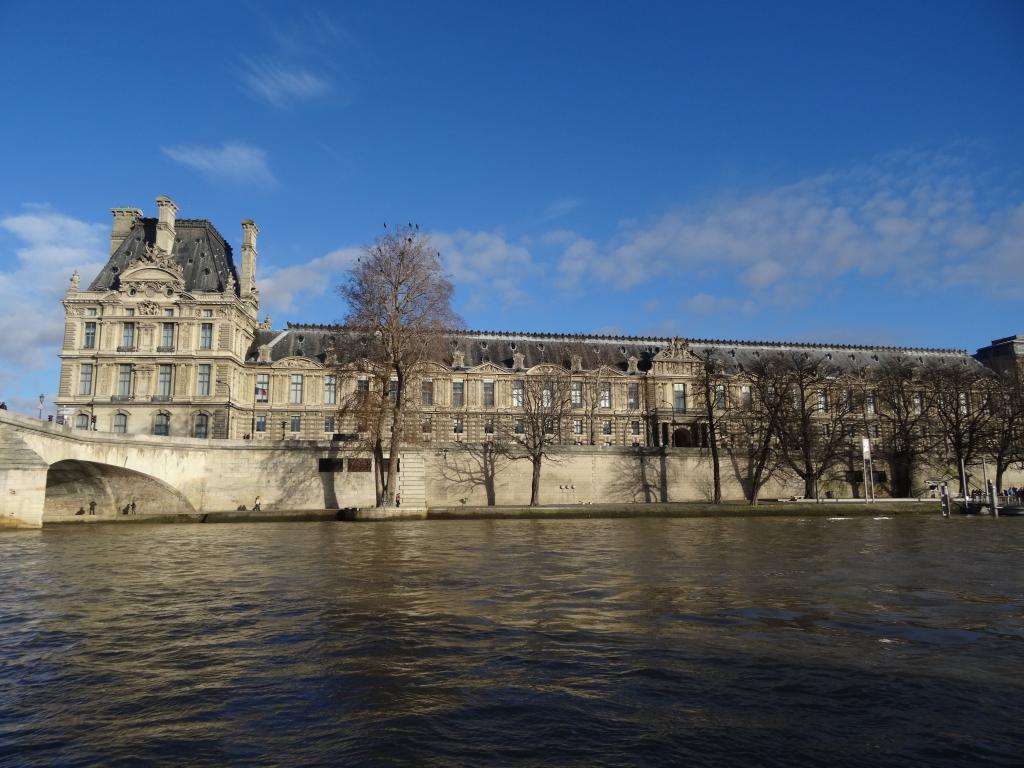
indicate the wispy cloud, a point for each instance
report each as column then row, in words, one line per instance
column 280, row 288
column 232, row 161
column 282, row 84
column 50, row 247
column 556, row 209
column 922, row 220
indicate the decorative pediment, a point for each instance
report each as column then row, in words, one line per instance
column 604, row 371
column 546, row 368
column 489, row 367
column 294, row 361
column 677, row 350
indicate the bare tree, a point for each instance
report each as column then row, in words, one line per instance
column 544, row 405
column 895, row 398
column 755, row 423
column 1007, row 432
column 813, row 418
column 961, row 416
column 713, row 397
column 398, row 293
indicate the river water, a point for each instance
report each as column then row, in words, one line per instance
column 773, row 641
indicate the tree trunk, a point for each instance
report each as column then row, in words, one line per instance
column 715, row 466
column 395, row 448
column 535, row 482
column 378, row 472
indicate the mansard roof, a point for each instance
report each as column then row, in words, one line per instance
column 204, row 255
column 501, row 348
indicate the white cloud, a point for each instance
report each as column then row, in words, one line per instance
column 232, row 161
column 486, row 259
column 556, row 209
column 281, row 287
column 280, row 84
column 916, row 219
column 51, row 246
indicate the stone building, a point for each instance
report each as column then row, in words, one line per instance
column 166, row 341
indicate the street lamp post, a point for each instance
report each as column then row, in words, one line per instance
column 41, row 398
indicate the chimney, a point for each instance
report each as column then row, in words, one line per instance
column 248, row 280
column 124, row 220
column 165, row 224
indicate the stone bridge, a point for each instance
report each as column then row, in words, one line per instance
column 49, row 472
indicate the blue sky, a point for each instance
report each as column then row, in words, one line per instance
column 804, row 171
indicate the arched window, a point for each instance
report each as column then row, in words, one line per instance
column 202, row 425
column 121, row 422
column 162, row 424
column 82, row 421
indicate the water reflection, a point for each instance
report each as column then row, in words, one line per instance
column 588, row 642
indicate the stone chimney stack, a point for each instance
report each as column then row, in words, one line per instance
column 249, row 233
column 124, row 220
column 165, row 224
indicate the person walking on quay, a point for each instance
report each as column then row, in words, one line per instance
column 131, row 507
column 92, row 507
column 256, row 506
column 398, row 499
column 3, row 406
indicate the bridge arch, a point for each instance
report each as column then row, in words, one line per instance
column 71, row 484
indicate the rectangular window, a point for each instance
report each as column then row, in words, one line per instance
column 163, row 381
column 363, row 385
column 167, row 336
column 328, row 424
column 576, row 394
column 633, row 395
column 120, row 423
column 261, row 423
column 547, row 395
column 90, row 312
column 679, row 397
column 458, row 394
column 457, row 425
column 426, row 426
column 295, row 389
column 124, row 381
column 635, row 428
column 206, row 336
column 719, row 397
column 822, row 401
column 427, row 392
column 961, row 399
column 82, row 421
column 606, row 427
column 869, row 403
column 488, row 394
column 296, row 423
column 605, row 398
column 519, row 427
column 89, row 341
column 577, row 426
column 488, row 426
column 207, row 313
column 129, row 312
column 330, row 390
column 203, row 380
column 168, row 313
column 262, row 387
column 128, row 336
column 549, row 426
column 746, row 397
column 918, row 403
column 85, row 379
column 518, row 388
column 393, row 391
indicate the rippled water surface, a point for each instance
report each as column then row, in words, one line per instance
column 578, row 642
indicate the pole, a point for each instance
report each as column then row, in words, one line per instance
column 963, row 480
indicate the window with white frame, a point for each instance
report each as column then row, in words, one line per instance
column 330, row 390
column 577, row 426
column 869, row 403
column 822, row 401
column 746, row 397
column 635, row 427
column 85, row 379
column 427, row 392
column 262, row 387
column 328, row 424
column 82, row 421
column 426, row 425
column 605, row 397
column 167, row 336
column 207, row 313
column 162, row 424
column 206, row 336
column 457, row 426
column 488, row 393
column 90, row 312
column 719, row 397
column 89, row 341
column 295, row 389
column 203, row 379
column 128, row 335
column 918, row 403
column 488, row 426
column 576, row 394
column 458, row 394
column 202, row 425
column 518, row 389
column 261, row 423
column 120, row 423
column 519, row 427
column 546, row 394
column 606, row 427
column 633, row 395
column 296, row 423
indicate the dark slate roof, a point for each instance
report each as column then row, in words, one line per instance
column 199, row 248
column 498, row 347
